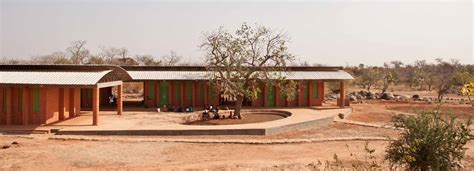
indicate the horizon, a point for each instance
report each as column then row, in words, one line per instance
column 400, row 30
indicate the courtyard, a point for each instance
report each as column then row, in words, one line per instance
column 172, row 123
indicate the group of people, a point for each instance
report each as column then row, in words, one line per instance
column 172, row 108
column 208, row 109
column 215, row 111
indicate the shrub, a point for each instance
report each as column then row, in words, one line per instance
column 429, row 141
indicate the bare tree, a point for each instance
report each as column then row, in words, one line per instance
column 171, row 59
column 78, row 52
column 389, row 77
column 445, row 72
column 54, row 58
column 107, row 54
column 8, row 61
column 147, row 60
column 243, row 60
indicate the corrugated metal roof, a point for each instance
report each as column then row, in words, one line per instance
column 169, row 75
column 52, row 77
column 205, row 75
column 318, row 75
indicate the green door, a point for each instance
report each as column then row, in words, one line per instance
column 270, row 93
column 164, row 93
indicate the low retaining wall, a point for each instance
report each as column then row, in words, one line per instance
column 246, row 129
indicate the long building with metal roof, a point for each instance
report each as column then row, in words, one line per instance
column 190, row 86
column 43, row 94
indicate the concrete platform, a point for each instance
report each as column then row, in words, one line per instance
column 152, row 123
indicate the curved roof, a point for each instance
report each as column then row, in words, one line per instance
column 61, row 75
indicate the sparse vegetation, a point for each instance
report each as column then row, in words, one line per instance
column 429, row 141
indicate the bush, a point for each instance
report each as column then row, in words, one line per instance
column 429, row 142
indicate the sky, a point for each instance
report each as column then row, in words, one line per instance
column 327, row 32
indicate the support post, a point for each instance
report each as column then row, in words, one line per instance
column 193, row 91
column 264, row 94
column 181, row 88
column 25, row 107
column 341, row 95
column 95, row 106
column 72, row 102
column 310, row 92
column 62, row 108
column 277, row 96
column 206, row 93
column 120, row 100
column 9, row 106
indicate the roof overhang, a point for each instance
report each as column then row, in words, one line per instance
column 61, row 75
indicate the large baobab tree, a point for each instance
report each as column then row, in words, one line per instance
column 240, row 61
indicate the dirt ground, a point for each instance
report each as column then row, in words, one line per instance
column 41, row 153
column 381, row 112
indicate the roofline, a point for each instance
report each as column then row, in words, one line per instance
column 203, row 68
column 60, row 67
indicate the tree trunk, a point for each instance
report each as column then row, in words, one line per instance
column 238, row 106
column 470, row 100
column 440, row 96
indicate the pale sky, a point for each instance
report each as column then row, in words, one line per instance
column 325, row 32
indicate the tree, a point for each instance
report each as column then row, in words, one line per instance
column 429, row 141
column 241, row 61
column 370, row 77
column 444, row 77
column 78, row 52
column 389, row 77
column 96, row 59
column 54, row 58
column 468, row 90
column 147, row 60
column 171, row 59
column 115, row 56
column 7, row 61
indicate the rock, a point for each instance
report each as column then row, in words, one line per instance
column 5, row 146
column 387, row 96
column 16, row 143
column 370, row 95
column 416, row 97
column 353, row 98
column 341, row 115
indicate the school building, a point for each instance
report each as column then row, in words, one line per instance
column 43, row 94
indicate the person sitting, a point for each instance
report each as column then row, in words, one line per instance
column 114, row 103
column 186, row 109
column 189, row 109
column 111, row 100
column 205, row 115
column 170, row 108
column 179, row 109
column 216, row 116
